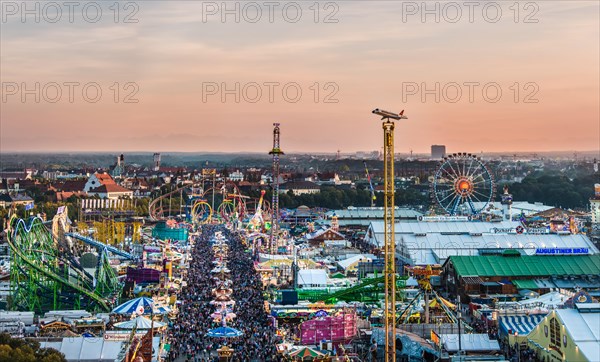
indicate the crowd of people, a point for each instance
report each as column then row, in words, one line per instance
column 190, row 341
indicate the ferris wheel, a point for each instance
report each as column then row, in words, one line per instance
column 463, row 184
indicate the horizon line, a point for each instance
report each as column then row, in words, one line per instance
column 266, row 153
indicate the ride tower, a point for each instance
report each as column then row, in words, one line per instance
column 507, row 201
column 390, row 243
column 276, row 152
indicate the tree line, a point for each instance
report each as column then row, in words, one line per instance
column 555, row 189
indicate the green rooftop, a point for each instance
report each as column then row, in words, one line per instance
column 525, row 266
column 525, row 284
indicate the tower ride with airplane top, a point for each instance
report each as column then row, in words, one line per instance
column 388, row 119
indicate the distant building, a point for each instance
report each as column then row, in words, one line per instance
column 7, row 200
column 438, row 151
column 320, row 237
column 70, row 185
column 103, row 185
column 62, row 196
column 16, row 175
column 118, row 169
column 300, row 187
column 327, row 178
column 236, row 176
column 595, row 205
column 156, row 159
column 139, row 186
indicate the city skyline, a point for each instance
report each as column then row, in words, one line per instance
column 171, row 61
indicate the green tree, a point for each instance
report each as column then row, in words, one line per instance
column 26, row 350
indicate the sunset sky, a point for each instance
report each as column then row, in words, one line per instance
column 370, row 58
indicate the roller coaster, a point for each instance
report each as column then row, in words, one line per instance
column 45, row 274
column 226, row 205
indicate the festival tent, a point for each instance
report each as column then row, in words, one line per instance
column 89, row 349
column 312, row 278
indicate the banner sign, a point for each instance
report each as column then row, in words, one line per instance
column 444, row 218
column 503, row 231
column 538, row 231
column 550, row 251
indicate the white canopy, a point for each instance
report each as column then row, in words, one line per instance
column 312, row 278
column 548, row 300
column 86, row 349
column 139, row 322
column 351, row 261
column 584, row 328
column 469, row 342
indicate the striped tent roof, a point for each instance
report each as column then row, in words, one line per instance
column 141, row 305
column 521, row 324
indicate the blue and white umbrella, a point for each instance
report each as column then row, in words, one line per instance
column 224, row 332
column 140, row 306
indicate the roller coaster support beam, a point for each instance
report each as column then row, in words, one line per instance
column 100, row 246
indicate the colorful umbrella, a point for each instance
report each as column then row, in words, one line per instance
column 224, row 332
column 306, row 352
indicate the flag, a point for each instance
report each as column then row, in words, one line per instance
column 435, row 337
column 29, row 206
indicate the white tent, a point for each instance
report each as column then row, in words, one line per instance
column 549, row 300
column 312, row 278
column 469, row 342
column 139, row 322
column 351, row 262
column 86, row 349
column 584, row 328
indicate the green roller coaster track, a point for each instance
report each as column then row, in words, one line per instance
column 45, row 277
column 369, row 290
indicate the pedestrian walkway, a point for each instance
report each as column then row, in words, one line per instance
column 189, row 336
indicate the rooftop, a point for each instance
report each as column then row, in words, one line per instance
column 372, row 213
column 584, row 329
column 454, row 227
column 107, row 188
column 526, row 266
